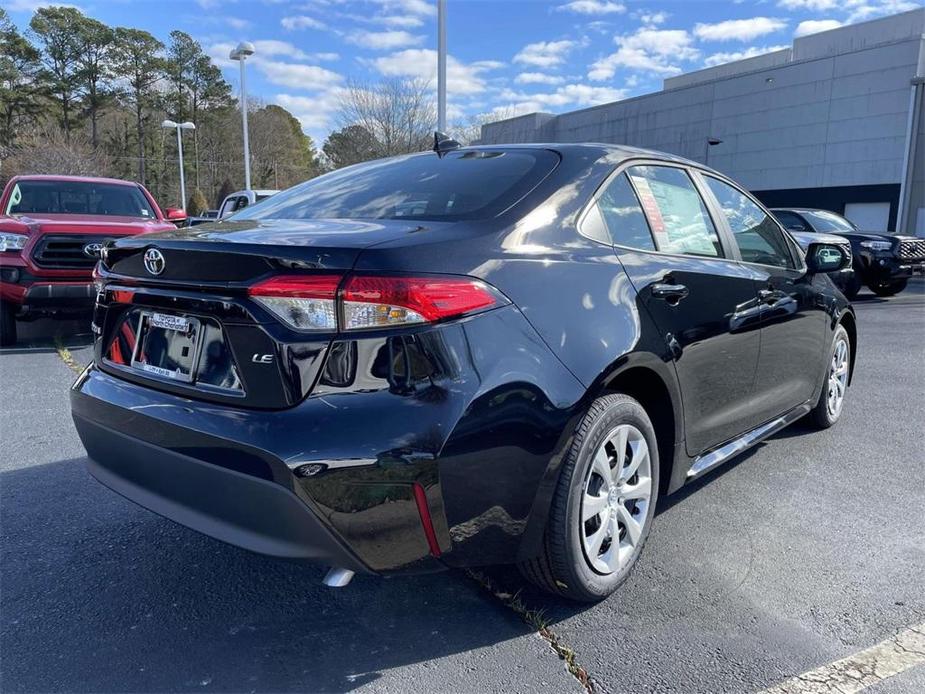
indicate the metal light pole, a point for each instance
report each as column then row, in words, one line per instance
column 180, row 127
column 241, row 53
column 441, row 65
column 711, row 142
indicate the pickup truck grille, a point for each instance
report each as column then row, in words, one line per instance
column 66, row 251
column 911, row 249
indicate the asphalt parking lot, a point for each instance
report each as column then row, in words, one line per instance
column 807, row 549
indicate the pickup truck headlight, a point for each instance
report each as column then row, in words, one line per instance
column 12, row 242
column 877, row 245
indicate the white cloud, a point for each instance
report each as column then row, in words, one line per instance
column 538, row 78
column 653, row 17
column 858, row 10
column 403, row 21
column 421, row 63
column 593, row 7
column 418, row 8
column 739, row 29
column 301, row 21
column 315, row 113
column 297, row 75
column 814, row 26
column 568, row 95
column 544, row 53
column 235, row 22
column 648, row 50
column 723, row 58
column 384, row 40
column 812, row 5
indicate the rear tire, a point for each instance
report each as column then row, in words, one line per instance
column 7, row 326
column 603, row 505
column 888, row 288
column 828, row 408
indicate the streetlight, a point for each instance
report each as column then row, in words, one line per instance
column 180, row 126
column 241, row 53
column 711, row 142
column 441, row 65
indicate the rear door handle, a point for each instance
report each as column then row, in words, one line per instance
column 672, row 293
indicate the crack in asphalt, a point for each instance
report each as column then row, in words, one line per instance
column 860, row 670
column 534, row 619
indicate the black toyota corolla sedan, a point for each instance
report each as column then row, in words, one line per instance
column 486, row 355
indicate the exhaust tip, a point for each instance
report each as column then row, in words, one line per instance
column 337, row 577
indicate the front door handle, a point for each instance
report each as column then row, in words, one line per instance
column 768, row 296
column 672, row 293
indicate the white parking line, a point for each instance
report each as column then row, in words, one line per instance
column 862, row 669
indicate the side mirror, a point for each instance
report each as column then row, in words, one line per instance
column 175, row 214
column 826, row 257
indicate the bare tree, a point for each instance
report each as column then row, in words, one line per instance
column 51, row 151
column 398, row 113
column 469, row 130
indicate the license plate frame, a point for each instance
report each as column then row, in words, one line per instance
column 180, row 340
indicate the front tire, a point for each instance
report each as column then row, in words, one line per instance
column 603, row 505
column 831, row 400
column 7, row 326
column 888, row 288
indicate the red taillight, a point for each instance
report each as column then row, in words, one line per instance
column 298, row 286
column 371, row 302
column 312, row 302
column 304, row 302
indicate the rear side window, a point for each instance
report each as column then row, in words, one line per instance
column 676, row 213
column 756, row 234
column 624, row 217
column 791, row 221
column 467, row 184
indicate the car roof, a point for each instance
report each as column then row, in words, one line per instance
column 76, row 179
column 599, row 148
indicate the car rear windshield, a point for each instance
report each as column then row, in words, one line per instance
column 823, row 221
column 466, row 184
column 78, row 197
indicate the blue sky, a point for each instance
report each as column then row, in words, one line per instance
column 505, row 56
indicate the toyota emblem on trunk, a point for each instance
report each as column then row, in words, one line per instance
column 154, row 261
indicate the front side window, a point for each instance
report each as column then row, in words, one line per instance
column 624, row 217
column 756, row 234
column 676, row 213
column 78, row 197
column 465, row 184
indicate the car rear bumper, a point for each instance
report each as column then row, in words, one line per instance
column 240, row 509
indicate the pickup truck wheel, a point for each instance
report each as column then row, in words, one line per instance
column 852, row 287
column 7, row 326
column 888, row 288
column 603, row 505
column 829, row 406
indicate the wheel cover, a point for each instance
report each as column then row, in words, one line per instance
column 838, row 378
column 615, row 500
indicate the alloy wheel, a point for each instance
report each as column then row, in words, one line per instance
column 615, row 502
column 838, row 378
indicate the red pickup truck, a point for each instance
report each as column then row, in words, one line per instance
column 52, row 229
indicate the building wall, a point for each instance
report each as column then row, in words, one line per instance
column 832, row 112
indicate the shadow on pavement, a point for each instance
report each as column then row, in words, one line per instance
column 45, row 334
column 99, row 595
